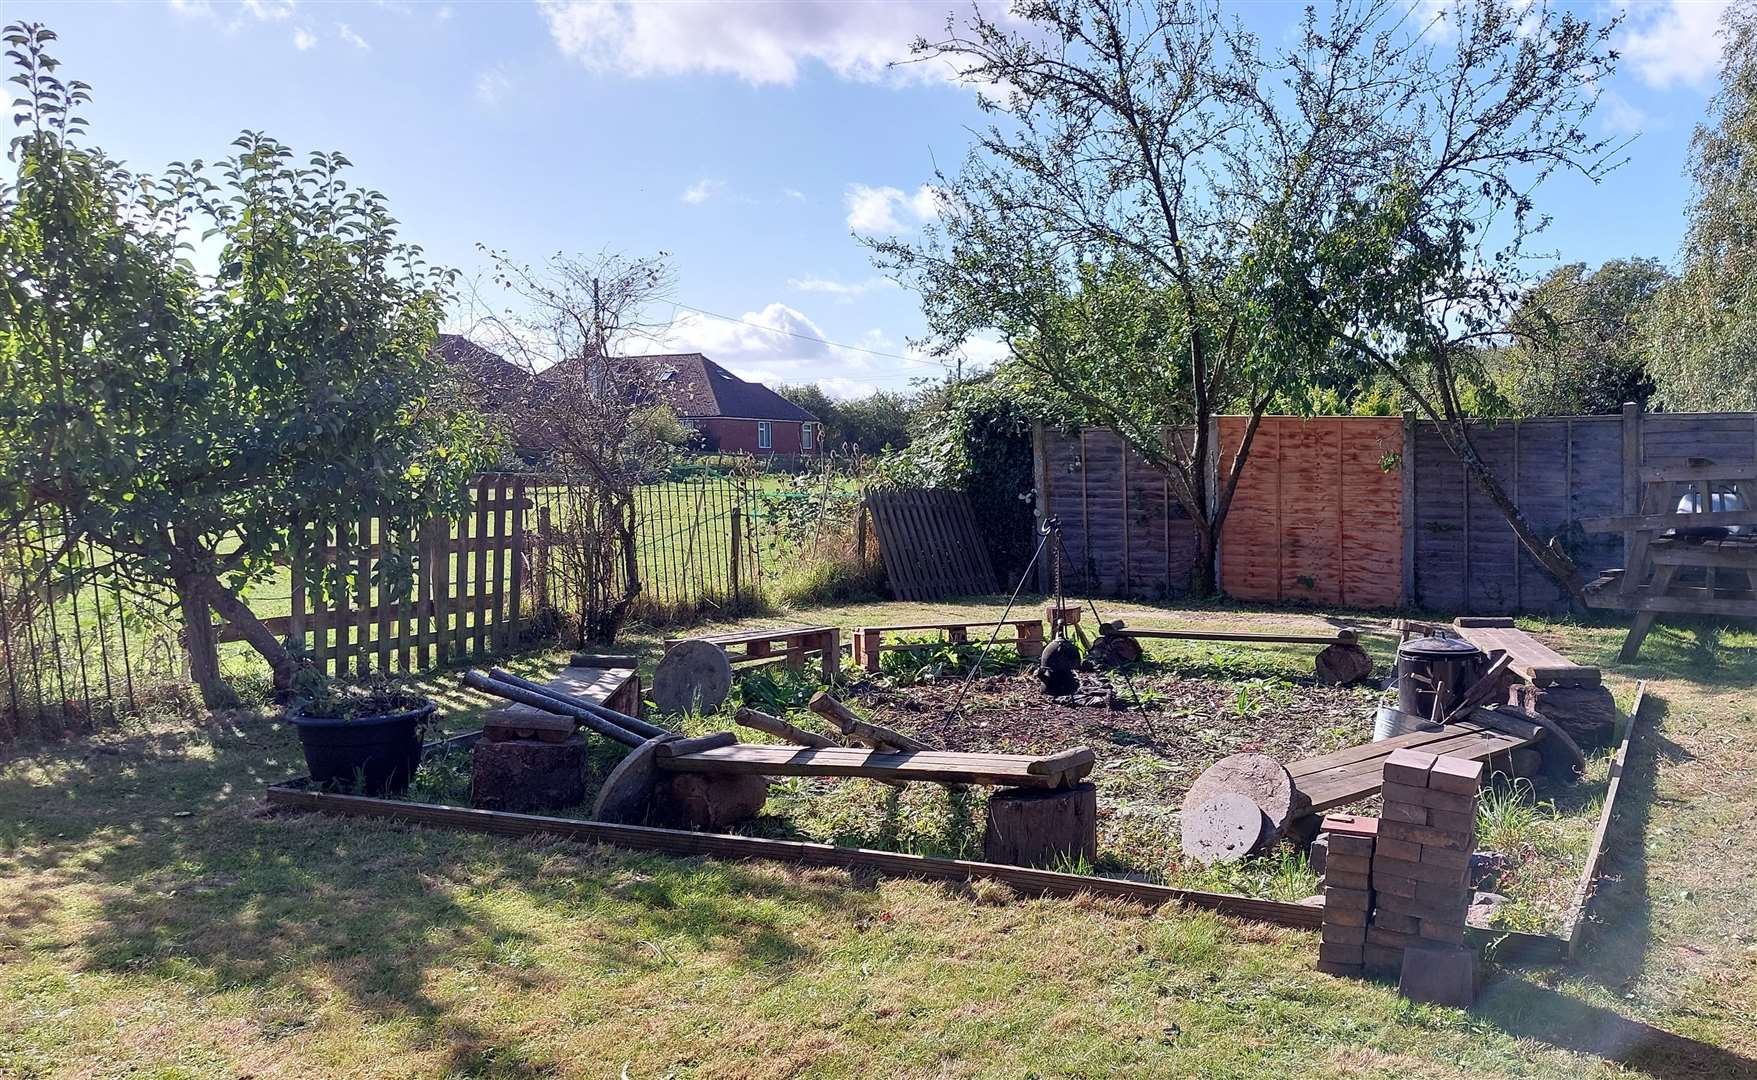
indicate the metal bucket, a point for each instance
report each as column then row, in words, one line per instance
column 1430, row 666
column 1389, row 723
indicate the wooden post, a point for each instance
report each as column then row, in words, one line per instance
column 869, row 642
column 737, row 544
column 1409, row 512
column 832, row 658
column 517, row 586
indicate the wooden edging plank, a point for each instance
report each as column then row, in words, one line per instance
column 716, row 845
column 1586, row 889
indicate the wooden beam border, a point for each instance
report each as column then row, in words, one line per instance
column 1587, row 889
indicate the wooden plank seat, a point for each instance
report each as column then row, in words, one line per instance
column 932, row 766
column 613, row 688
column 786, row 644
column 1353, row 773
column 1533, row 661
column 1344, row 636
column 869, row 641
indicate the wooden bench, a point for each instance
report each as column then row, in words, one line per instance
column 1351, row 774
column 869, row 640
column 613, row 688
column 932, row 766
column 786, row 644
column 1344, row 636
column 1533, row 661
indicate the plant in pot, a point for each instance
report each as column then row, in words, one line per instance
column 365, row 739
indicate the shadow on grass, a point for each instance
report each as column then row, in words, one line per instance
column 183, row 880
column 1529, row 1011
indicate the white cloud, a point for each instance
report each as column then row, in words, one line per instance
column 303, row 39
column 1620, row 116
column 761, row 41
column 888, row 209
column 195, row 9
column 781, row 344
column 842, row 290
column 793, row 193
column 269, row 10
column 347, row 34
column 492, row 85
column 1675, row 42
column 702, row 190
column 442, row 12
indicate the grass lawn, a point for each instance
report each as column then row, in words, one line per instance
column 154, row 922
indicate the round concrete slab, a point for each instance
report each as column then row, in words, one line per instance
column 693, row 675
column 1223, row 827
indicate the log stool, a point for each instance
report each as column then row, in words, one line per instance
column 528, row 775
column 1036, row 827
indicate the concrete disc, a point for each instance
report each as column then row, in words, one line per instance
column 1224, row 827
column 1259, row 778
column 693, row 675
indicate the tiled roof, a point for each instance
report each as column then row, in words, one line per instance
column 696, row 387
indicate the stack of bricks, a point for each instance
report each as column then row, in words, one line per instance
column 1421, row 864
column 1348, row 894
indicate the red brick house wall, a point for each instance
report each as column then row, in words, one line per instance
column 740, row 436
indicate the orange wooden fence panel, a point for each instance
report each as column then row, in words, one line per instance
column 1318, row 515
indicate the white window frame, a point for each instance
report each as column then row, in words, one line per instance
column 765, row 435
column 806, row 442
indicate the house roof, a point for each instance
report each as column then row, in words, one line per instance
column 498, row 382
column 696, row 387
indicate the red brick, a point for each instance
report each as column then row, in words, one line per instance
column 1406, row 766
column 1349, row 844
column 1417, row 908
column 1452, row 933
column 1399, row 849
column 1408, row 812
column 1353, row 899
column 1342, row 954
column 1380, row 959
column 1388, row 884
column 1351, row 824
column 1333, row 967
column 1338, row 934
column 1428, row 836
column 1390, row 939
column 1340, row 879
column 1439, row 856
column 1396, row 921
column 1439, row 875
column 1439, row 974
column 1348, row 864
column 1456, row 774
column 1342, row 916
column 1453, row 895
column 1428, row 797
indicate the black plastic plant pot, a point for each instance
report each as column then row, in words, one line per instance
column 372, row 755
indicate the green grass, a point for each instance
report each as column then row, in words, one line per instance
column 154, row 922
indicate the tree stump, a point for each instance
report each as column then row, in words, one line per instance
column 1259, row 778
column 527, row 776
column 1343, row 665
column 1033, row 827
column 1224, row 827
column 708, row 800
column 1587, row 713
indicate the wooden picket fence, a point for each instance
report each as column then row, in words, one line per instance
column 466, row 599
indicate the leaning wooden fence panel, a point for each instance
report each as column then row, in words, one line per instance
column 929, row 544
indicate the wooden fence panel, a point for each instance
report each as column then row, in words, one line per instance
column 1123, row 529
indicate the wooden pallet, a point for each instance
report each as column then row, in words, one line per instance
column 1348, row 775
column 932, row 766
column 930, row 545
column 1532, row 660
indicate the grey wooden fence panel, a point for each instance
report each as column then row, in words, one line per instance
column 1491, row 551
column 1441, row 568
column 1101, row 561
column 1673, row 438
column 1542, row 483
column 1595, row 489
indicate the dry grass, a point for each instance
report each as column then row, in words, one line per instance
column 138, row 941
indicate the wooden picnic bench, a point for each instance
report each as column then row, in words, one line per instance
column 869, row 641
column 1351, row 774
column 786, row 644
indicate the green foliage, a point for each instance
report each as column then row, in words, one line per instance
column 868, row 425
column 184, row 421
column 924, row 659
column 830, row 577
column 1701, row 343
column 1282, row 874
column 1509, row 818
column 1576, row 348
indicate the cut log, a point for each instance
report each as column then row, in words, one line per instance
column 709, row 800
column 525, row 776
column 1224, row 827
column 1077, row 757
column 681, row 747
column 781, row 729
column 1587, row 713
column 694, row 675
column 1343, row 665
column 875, row 735
column 1042, row 828
column 1259, row 778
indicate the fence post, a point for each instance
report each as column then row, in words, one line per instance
column 737, row 538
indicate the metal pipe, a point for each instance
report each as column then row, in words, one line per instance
column 622, row 720
column 478, row 681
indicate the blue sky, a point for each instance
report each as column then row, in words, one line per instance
column 746, row 140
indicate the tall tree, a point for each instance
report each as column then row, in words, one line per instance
column 1237, row 217
column 1701, row 342
column 187, row 423
column 1575, row 346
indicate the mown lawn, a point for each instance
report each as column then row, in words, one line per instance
column 155, row 922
